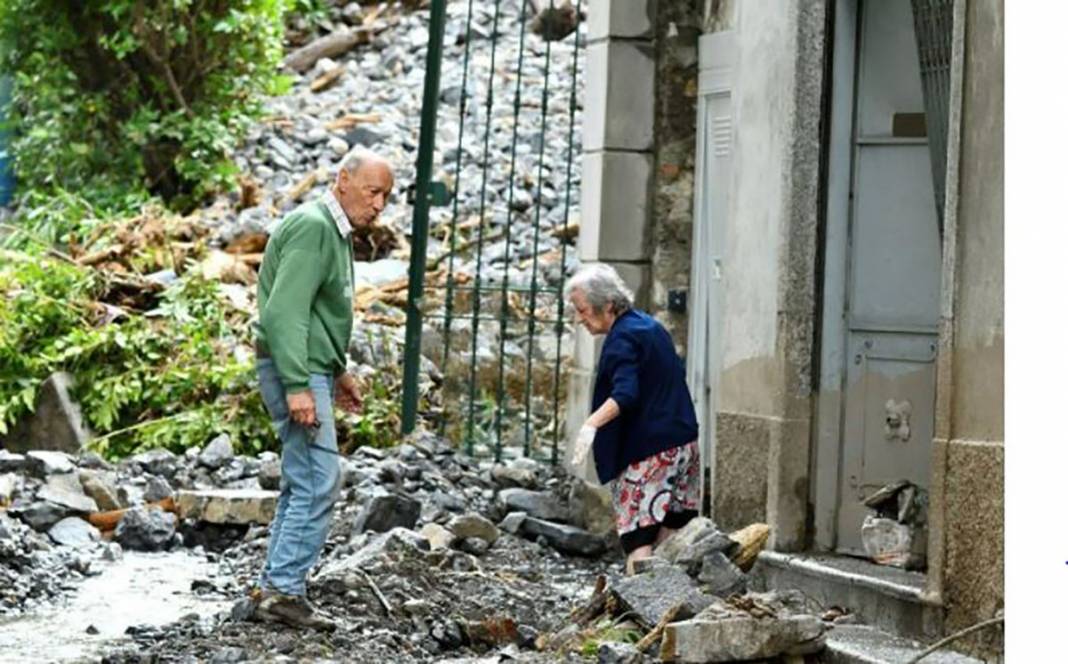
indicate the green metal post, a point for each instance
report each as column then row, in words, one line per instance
column 421, row 217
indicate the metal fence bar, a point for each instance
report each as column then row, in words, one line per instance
column 481, row 227
column 563, row 246
column 502, row 394
column 450, row 274
column 421, row 218
column 537, row 238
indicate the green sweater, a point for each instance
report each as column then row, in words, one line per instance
column 304, row 296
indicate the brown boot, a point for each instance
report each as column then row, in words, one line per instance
column 292, row 610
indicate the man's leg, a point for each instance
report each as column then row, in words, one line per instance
column 274, row 398
column 311, row 469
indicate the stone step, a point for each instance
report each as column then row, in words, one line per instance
column 860, row 644
column 886, row 598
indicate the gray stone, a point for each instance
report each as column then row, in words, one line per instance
column 93, row 461
column 40, row 515
column 654, row 593
column 157, row 489
column 364, row 137
column 590, row 507
column 512, row 477
column 314, row 136
column 473, row 525
column 513, row 523
column 56, row 422
column 386, row 512
column 741, row 638
column 439, row 536
column 11, row 462
column 75, row 532
column 720, row 576
column 66, row 491
column 448, row 501
column 476, row 546
column 338, row 146
column 698, row 529
column 146, row 529
column 564, row 538
column 157, row 462
column 228, row 506
column 218, row 453
column 112, row 552
column 45, row 463
column 538, row 504
column 619, row 653
column 643, row 565
column 397, row 544
column 270, row 475
column 287, row 153
column 9, row 484
column 101, row 487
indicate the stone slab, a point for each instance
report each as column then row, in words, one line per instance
column 617, row 204
column 653, row 593
column 228, row 506
column 741, row 638
column 620, row 97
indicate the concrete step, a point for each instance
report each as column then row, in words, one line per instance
column 859, row 644
column 886, row 598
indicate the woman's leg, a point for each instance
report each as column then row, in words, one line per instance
column 638, row 554
column 663, row 534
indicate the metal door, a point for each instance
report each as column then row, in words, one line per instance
column 715, row 130
column 893, row 273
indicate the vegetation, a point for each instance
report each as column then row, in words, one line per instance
column 120, row 100
column 119, row 106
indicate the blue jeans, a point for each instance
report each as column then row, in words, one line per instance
column 311, row 482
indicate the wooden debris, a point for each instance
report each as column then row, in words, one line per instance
column 250, row 193
column 378, row 593
column 106, row 521
column 751, row 540
column 247, row 243
column 305, row 184
column 492, row 631
column 350, row 120
column 224, row 267
column 654, row 635
column 327, row 79
column 566, row 233
column 333, row 44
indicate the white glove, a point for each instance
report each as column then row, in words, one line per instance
column 583, row 443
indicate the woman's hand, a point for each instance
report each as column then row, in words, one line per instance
column 583, row 443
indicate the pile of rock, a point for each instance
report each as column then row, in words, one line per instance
column 423, row 558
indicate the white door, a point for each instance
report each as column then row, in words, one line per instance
column 715, row 128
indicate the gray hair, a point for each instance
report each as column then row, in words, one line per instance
column 602, row 286
column 357, row 158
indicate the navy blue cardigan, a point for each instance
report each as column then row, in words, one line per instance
column 640, row 369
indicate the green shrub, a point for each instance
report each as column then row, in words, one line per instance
column 117, row 100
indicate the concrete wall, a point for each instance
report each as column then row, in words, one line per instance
column 764, row 415
column 969, row 447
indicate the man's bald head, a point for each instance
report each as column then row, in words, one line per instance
column 364, row 183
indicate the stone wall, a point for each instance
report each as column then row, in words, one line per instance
column 678, row 26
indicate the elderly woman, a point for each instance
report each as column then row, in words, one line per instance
column 643, row 429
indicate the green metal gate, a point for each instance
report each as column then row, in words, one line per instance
column 503, row 244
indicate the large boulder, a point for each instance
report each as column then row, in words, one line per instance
column 373, row 548
column 563, row 538
column 66, row 491
column 538, row 504
column 56, row 422
column 590, row 506
column 42, row 463
column 653, row 593
column 473, row 525
column 157, row 462
column 383, row 513
column 228, row 506
column 146, row 529
column 74, row 532
column 102, row 488
column 11, row 462
column 218, row 453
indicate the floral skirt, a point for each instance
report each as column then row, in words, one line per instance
column 660, row 490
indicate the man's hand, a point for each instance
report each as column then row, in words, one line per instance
column 301, row 408
column 347, row 393
column 583, row 443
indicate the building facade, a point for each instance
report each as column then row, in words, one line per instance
column 809, row 195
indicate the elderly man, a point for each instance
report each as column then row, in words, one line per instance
column 302, row 336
